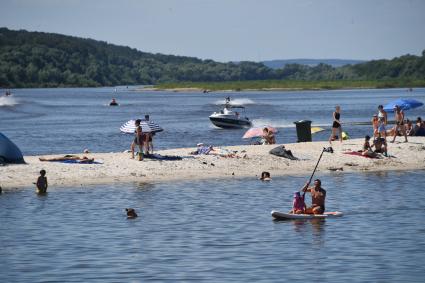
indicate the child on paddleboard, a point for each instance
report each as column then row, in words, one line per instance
column 298, row 205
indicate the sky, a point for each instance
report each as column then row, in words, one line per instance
column 234, row 30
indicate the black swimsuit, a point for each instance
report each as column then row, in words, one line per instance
column 335, row 123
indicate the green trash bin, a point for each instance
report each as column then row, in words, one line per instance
column 303, row 130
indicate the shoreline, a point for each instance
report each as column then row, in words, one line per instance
column 249, row 161
column 198, row 89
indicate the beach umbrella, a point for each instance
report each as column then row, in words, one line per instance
column 147, row 127
column 257, row 132
column 404, row 103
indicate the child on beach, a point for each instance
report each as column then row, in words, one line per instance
column 42, row 183
column 298, row 205
column 375, row 125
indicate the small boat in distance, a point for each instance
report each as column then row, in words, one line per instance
column 228, row 119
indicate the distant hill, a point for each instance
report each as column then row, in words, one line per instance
column 38, row 59
column 278, row 64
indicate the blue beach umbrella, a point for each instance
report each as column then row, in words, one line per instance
column 404, row 103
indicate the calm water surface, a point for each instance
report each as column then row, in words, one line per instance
column 56, row 121
column 215, row 231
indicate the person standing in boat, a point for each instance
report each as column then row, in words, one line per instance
column 227, row 102
column 318, row 196
column 336, row 125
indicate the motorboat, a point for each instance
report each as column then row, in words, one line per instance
column 228, row 118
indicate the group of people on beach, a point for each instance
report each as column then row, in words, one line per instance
column 143, row 140
column 402, row 127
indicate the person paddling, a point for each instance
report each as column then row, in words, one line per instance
column 318, row 195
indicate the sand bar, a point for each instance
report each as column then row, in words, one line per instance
column 250, row 161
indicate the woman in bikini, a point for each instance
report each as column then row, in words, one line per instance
column 336, row 125
column 382, row 122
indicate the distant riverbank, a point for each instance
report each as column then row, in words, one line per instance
column 285, row 85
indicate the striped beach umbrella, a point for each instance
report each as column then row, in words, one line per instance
column 147, row 127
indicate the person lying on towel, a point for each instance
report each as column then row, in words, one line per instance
column 83, row 159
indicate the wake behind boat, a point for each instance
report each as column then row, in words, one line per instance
column 228, row 119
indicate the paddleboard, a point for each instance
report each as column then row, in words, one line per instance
column 284, row 216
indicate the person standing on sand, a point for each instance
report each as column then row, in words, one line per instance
column 382, row 119
column 148, row 139
column 375, row 125
column 399, row 123
column 138, row 139
column 336, row 125
column 42, row 183
column 318, row 196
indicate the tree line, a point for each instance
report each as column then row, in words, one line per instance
column 38, row 59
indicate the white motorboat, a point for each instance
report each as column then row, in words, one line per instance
column 228, row 119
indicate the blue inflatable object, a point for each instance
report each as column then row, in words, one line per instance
column 9, row 152
column 404, row 103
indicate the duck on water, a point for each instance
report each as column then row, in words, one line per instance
column 228, row 119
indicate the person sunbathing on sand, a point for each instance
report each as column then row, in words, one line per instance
column 380, row 145
column 367, row 149
column 68, row 157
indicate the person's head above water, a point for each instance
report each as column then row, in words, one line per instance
column 137, row 122
column 265, row 175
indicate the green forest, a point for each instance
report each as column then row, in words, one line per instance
column 38, row 59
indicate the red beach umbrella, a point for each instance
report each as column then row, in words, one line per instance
column 257, row 132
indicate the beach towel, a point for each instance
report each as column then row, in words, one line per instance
column 360, row 154
column 73, row 161
column 162, row 157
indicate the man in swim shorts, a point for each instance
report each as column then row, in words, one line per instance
column 318, row 195
column 399, row 123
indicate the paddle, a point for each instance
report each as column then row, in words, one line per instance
column 317, row 164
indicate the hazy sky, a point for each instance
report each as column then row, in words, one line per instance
column 234, row 30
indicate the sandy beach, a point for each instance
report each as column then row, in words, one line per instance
column 249, row 161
